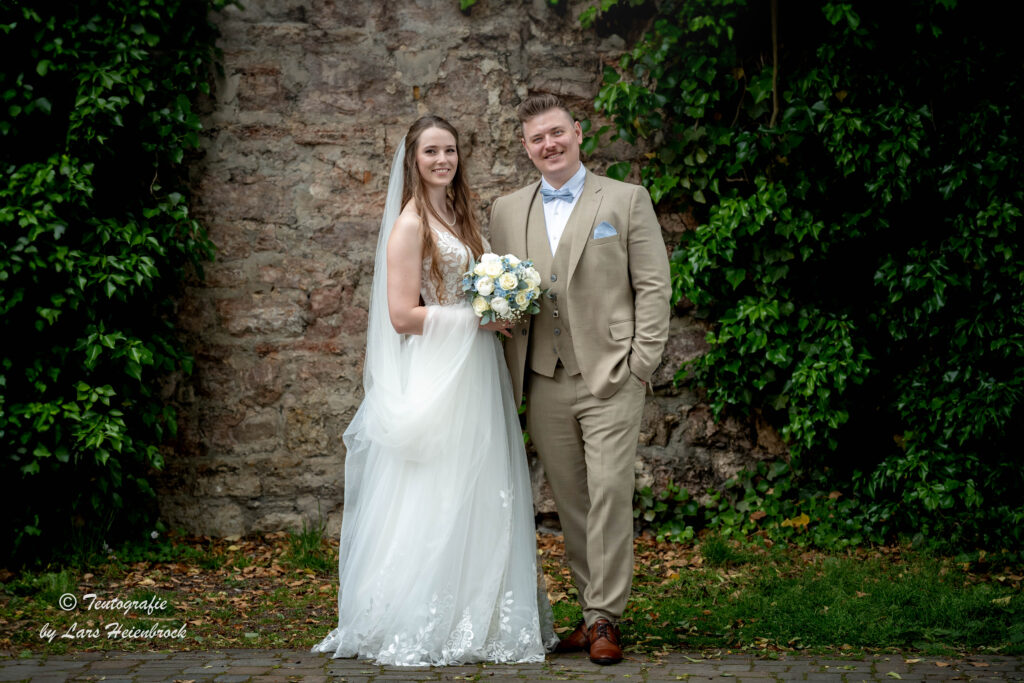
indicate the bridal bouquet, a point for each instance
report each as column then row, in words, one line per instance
column 502, row 288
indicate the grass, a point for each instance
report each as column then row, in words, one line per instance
column 777, row 599
column 307, row 550
column 716, row 594
column 870, row 604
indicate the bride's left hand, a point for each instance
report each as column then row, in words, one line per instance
column 499, row 326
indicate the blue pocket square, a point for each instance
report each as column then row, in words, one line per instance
column 604, row 229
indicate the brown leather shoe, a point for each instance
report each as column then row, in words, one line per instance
column 604, row 640
column 576, row 641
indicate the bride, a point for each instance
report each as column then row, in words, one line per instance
column 438, row 554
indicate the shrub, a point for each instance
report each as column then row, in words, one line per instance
column 856, row 174
column 96, row 121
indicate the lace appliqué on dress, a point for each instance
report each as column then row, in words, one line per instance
column 414, row 649
column 454, row 263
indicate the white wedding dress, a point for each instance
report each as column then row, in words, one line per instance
column 438, row 557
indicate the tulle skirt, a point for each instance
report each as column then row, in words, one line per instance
column 438, row 560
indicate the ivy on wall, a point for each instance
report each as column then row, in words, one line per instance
column 96, row 120
column 856, row 174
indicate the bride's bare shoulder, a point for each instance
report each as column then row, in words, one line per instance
column 409, row 220
column 407, row 233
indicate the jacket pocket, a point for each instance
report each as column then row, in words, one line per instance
column 621, row 330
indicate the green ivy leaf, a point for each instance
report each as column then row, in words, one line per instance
column 619, row 170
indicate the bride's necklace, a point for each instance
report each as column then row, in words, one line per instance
column 445, row 218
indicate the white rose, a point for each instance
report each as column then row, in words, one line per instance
column 508, row 282
column 536, row 292
column 480, row 305
column 512, row 260
column 501, row 307
column 532, row 277
column 484, row 286
column 491, row 268
column 489, row 258
column 522, row 300
column 478, row 269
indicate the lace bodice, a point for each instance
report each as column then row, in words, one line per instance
column 454, row 263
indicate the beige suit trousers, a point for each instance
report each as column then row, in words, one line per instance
column 582, row 438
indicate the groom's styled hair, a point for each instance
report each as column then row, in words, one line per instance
column 535, row 105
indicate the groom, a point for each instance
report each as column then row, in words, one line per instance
column 584, row 362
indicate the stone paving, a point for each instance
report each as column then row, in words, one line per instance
column 282, row 666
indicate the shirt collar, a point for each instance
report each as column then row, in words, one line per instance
column 573, row 185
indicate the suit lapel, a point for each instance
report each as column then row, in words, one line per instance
column 538, row 246
column 581, row 221
column 524, row 208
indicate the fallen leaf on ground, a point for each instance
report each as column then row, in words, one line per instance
column 798, row 521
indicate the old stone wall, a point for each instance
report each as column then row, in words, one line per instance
column 300, row 131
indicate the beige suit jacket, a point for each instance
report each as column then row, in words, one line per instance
column 618, row 288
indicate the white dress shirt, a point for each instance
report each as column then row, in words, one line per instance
column 556, row 212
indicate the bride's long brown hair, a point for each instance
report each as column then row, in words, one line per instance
column 466, row 227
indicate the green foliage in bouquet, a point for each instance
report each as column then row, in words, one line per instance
column 855, row 170
column 95, row 121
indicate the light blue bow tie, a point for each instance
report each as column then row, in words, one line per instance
column 552, row 195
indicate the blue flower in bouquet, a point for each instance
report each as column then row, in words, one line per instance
column 502, row 287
